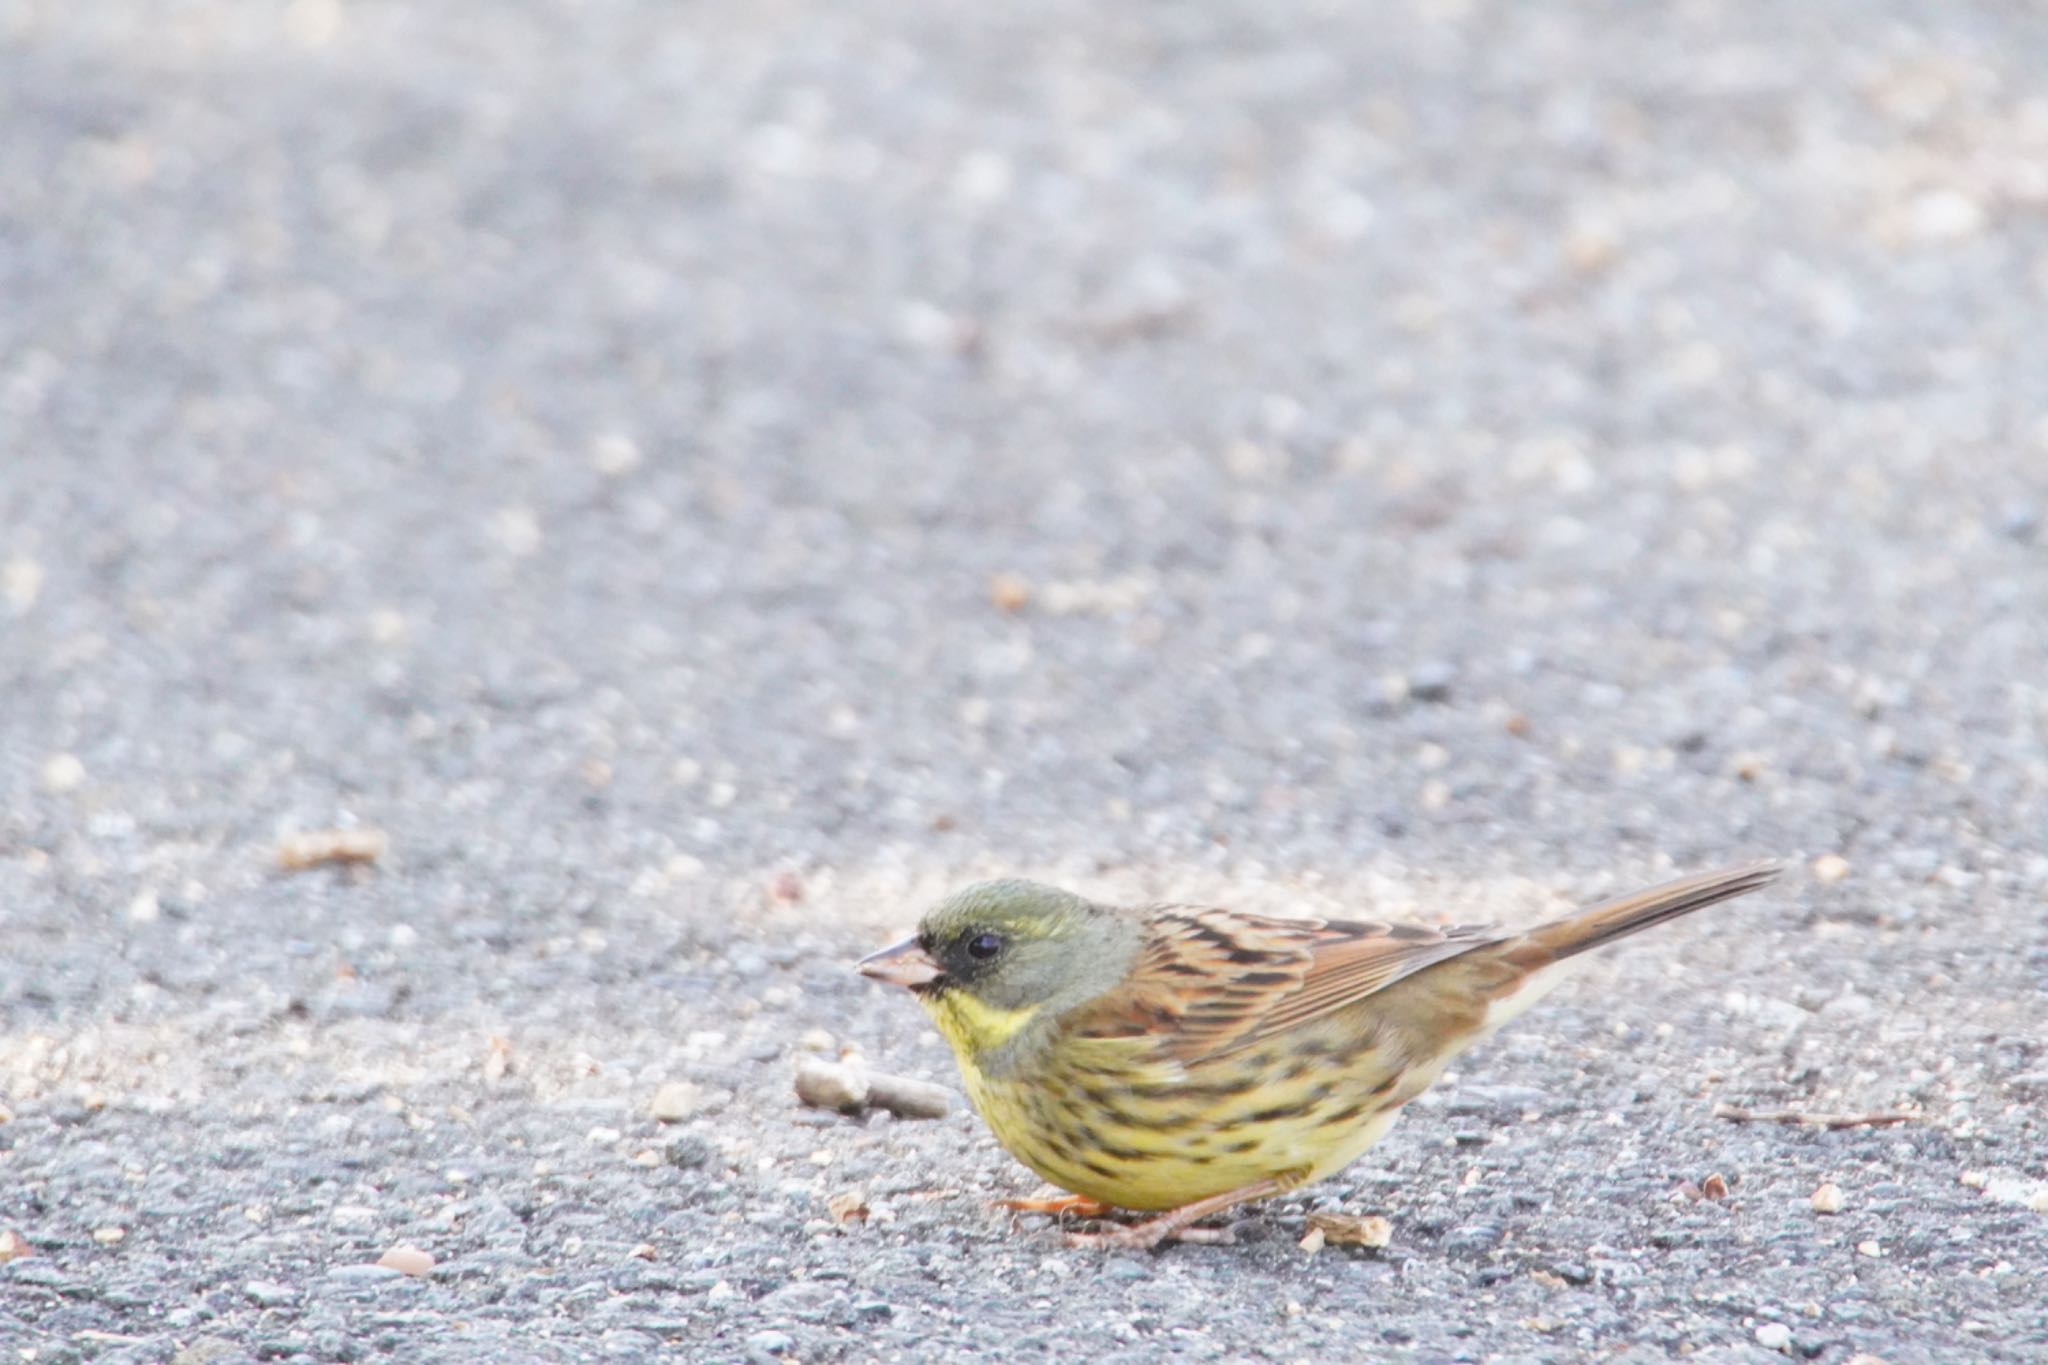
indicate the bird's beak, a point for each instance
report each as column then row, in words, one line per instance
column 904, row 964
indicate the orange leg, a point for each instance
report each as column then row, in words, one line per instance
column 1175, row 1222
column 1080, row 1205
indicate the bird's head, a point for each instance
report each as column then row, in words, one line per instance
column 993, row 957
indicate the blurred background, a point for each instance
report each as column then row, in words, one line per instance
column 688, row 482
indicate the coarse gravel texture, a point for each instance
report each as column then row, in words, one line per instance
column 703, row 480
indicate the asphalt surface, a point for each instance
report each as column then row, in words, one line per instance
column 701, row 481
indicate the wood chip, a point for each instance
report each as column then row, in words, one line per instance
column 1349, row 1230
column 1736, row 1114
column 848, row 1206
column 643, row 1252
column 1714, row 1187
column 1313, row 1243
column 107, row 1237
column 13, row 1246
column 407, row 1259
column 1008, row 592
column 1827, row 1199
column 853, row 1089
column 497, row 1060
column 320, row 847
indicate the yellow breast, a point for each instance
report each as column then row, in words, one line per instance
column 1109, row 1119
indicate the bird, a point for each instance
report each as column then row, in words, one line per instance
column 1180, row 1060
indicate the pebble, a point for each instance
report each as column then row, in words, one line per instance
column 407, row 1260
column 1830, row 867
column 771, row 1342
column 1827, row 1199
column 675, row 1101
column 21, row 582
column 687, row 1151
column 1472, row 1239
column 1513, row 1100
column 1774, row 1336
column 364, row 1274
column 1432, row 681
column 62, row 774
column 269, row 1293
column 2020, row 522
column 629, row 1345
column 352, row 1217
column 208, row 1350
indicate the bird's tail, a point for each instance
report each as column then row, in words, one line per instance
column 1618, row 918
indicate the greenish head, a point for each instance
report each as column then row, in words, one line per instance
column 1013, row 946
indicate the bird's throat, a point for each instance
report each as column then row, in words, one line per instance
column 979, row 1033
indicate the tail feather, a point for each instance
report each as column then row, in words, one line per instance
column 1602, row 924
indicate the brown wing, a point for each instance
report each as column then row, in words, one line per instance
column 1212, row 981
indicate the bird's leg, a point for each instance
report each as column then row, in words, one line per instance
column 1080, row 1205
column 1174, row 1223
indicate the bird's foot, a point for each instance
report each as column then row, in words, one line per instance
column 1180, row 1223
column 1149, row 1234
column 1080, row 1205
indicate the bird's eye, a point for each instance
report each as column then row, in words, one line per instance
column 984, row 946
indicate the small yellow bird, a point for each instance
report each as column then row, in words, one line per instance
column 1189, row 1059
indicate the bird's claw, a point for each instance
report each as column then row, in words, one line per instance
column 1077, row 1204
column 1146, row 1236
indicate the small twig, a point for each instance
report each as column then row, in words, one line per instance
column 851, row 1089
column 321, row 847
column 1736, row 1114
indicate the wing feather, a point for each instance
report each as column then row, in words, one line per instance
column 1212, row 981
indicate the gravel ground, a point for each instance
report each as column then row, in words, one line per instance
column 701, row 482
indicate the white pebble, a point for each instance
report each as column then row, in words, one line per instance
column 63, row 773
